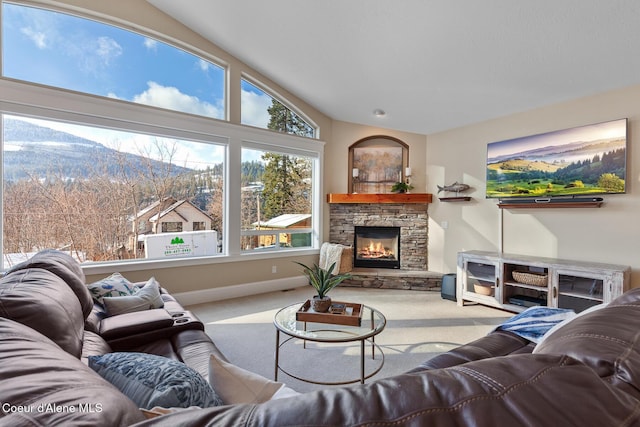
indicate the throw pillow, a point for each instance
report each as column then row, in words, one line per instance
column 151, row 380
column 236, row 385
column 145, row 298
column 112, row 286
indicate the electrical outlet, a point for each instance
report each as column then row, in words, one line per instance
column 444, row 224
column 274, row 269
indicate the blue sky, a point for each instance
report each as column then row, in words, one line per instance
column 82, row 55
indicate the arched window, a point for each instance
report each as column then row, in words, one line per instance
column 70, row 52
column 262, row 110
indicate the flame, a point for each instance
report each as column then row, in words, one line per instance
column 375, row 250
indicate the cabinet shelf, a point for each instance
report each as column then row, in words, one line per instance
column 525, row 286
column 569, row 284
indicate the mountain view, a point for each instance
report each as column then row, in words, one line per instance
column 35, row 150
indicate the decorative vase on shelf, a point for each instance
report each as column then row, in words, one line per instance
column 321, row 305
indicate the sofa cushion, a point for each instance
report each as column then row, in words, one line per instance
column 151, row 380
column 37, row 374
column 606, row 340
column 144, row 298
column 111, row 286
column 236, row 385
column 64, row 266
column 44, row 302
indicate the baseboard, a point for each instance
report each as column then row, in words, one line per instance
column 236, row 291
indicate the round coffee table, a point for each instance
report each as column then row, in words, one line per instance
column 373, row 322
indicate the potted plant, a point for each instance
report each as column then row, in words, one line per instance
column 322, row 281
column 401, row 187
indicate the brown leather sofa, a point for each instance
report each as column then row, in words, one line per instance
column 586, row 373
column 50, row 325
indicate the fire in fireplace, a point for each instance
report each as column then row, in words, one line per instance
column 377, row 247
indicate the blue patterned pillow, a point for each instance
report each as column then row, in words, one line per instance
column 115, row 285
column 151, row 380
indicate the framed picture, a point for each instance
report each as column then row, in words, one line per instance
column 376, row 163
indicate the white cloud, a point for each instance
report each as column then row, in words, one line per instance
column 108, row 49
column 254, row 109
column 171, row 98
column 150, row 44
column 204, row 65
column 38, row 38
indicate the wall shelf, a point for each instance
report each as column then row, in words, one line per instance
column 455, row 199
column 380, row 198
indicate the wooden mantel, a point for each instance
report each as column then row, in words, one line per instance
column 380, row 198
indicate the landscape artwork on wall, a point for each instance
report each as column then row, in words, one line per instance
column 379, row 162
column 581, row 161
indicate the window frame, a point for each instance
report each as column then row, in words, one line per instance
column 23, row 98
column 316, row 202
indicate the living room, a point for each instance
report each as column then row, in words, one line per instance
column 436, row 160
column 606, row 234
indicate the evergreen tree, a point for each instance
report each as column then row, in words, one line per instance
column 284, row 120
column 286, row 185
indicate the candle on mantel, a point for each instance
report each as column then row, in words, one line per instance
column 407, row 172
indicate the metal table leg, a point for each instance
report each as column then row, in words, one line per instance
column 275, row 374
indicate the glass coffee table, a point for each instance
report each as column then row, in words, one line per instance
column 373, row 322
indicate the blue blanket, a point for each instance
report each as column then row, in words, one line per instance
column 534, row 322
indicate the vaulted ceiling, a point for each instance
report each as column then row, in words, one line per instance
column 431, row 65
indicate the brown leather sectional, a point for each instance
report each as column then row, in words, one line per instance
column 585, row 374
column 49, row 325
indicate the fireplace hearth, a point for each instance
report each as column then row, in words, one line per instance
column 376, row 247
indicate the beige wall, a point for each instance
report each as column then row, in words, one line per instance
column 608, row 234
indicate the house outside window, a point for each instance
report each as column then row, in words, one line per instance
column 199, row 225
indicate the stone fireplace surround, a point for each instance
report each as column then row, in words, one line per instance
column 412, row 218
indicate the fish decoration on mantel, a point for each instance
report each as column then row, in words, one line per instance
column 457, row 188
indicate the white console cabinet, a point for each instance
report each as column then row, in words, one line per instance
column 515, row 282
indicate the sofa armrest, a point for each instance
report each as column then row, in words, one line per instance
column 135, row 323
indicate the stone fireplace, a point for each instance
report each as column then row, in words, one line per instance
column 410, row 218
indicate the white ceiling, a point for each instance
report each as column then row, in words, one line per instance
column 431, row 65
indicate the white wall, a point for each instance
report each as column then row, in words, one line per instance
column 608, row 234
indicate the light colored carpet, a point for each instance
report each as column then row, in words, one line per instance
column 420, row 325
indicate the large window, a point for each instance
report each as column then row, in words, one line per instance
column 60, row 50
column 264, row 111
column 101, row 194
column 277, row 200
column 108, row 180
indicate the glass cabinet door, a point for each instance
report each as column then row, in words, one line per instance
column 481, row 279
column 578, row 290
